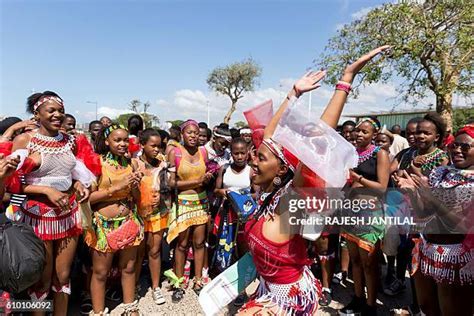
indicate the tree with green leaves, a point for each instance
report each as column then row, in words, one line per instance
column 240, row 124
column 135, row 105
column 432, row 49
column 461, row 116
column 176, row 122
column 233, row 80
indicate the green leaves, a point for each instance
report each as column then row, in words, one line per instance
column 432, row 47
column 233, row 80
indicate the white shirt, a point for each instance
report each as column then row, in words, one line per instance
column 399, row 143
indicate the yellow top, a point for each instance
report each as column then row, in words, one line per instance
column 189, row 171
column 112, row 176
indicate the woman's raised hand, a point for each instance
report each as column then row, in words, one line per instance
column 308, row 82
column 355, row 67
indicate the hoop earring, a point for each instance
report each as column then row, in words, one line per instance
column 277, row 181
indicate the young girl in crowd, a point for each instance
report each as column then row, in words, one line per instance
column 425, row 154
column 384, row 140
column 116, row 227
column 217, row 147
column 135, row 127
column 190, row 216
column 233, row 177
column 151, row 208
column 286, row 283
column 54, row 185
column 369, row 183
column 442, row 258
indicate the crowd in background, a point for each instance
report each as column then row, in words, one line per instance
column 118, row 200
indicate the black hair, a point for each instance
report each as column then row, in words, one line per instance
column 7, row 123
column 223, row 129
column 209, row 134
column 470, row 120
column 234, row 133
column 32, row 99
column 164, row 135
column 439, row 123
column 175, row 132
column 147, row 133
column 349, row 123
column 202, row 125
column 135, row 124
column 375, row 120
column 237, row 141
column 415, row 120
column 223, row 126
column 67, row 115
column 175, row 128
column 94, row 122
column 100, row 146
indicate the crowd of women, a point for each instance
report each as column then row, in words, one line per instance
column 113, row 200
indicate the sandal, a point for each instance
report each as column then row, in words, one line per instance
column 86, row 304
column 105, row 312
column 130, row 308
column 197, row 286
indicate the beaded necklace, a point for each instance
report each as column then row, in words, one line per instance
column 432, row 160
column 116, row 161
column 269, row 210
column 58, row 144
column 367, row 154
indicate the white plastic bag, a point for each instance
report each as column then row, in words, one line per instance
column 317, row 145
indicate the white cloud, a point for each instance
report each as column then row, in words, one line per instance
column 106, row 111
column 189, row 103
column 355, row 16
column 361, row 13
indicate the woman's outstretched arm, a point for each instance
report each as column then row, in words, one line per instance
column 333, row 110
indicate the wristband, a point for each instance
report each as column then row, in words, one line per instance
column 343, row 86
column 297, row 93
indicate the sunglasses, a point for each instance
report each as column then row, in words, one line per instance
column 465, row 147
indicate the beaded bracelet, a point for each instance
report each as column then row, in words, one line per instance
column 343, row 86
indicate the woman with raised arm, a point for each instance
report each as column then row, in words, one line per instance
column 190, row 215
column 53, row 179
column 287, row 286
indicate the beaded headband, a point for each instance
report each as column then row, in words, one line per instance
column 109, row 129
column 245, row 131
column 277, row 150
column 371, row 121
column 45, row 99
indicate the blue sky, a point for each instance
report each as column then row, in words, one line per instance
column 162, row 51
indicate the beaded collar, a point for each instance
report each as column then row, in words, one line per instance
column 115, row 160
column 62, row 143
column 270, row 208
column 367, row 154
column 450, row 177
column 432, row 160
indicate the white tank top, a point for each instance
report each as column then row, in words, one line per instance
column 236, row 181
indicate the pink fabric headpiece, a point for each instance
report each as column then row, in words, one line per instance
column 188, row 123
